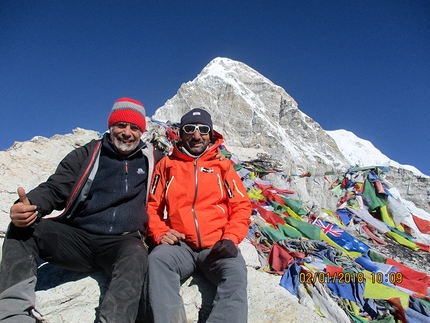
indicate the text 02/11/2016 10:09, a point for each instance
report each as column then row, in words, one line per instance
column 350, row 277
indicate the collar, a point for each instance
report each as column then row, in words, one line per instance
column 186, row 152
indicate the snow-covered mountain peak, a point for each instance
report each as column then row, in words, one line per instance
column 362, row 152
column 232, row 71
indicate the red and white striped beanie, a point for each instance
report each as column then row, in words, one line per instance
column 128, row 110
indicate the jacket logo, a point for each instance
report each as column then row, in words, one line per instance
column 140, row 171
column 206, row 170
column 229, row 192
column 155, row 183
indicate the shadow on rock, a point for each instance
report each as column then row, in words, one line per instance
column 50, row 276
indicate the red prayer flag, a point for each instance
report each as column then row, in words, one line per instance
column 423, row 225
column 411, row 279
column 279, row 258
column 269, row 216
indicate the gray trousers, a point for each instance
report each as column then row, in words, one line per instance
column 169, row 264
column 124, row 258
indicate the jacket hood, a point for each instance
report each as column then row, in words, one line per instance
column 217, row 140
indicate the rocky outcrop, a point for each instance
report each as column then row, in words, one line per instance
column 413, row 187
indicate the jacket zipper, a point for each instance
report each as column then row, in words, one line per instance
column 83, row 180
column 237, row 190
column 168, row 185
column 221, row 191
column 196, row 223
column 126, row 176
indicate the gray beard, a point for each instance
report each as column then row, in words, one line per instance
column 124, row 148
column 120, row 146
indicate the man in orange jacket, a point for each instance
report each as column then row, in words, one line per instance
column 199, row 212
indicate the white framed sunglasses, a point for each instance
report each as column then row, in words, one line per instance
column 189, row 129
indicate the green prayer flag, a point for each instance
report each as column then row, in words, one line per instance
column 376, row 257
column 274, row 235
column 310, row 231
column 289, row 231
column 337, row 190
column 278, row 207
column 295, row 205
column 237, row 167
column 376, row 199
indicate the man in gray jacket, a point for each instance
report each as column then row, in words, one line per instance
column 102, row 188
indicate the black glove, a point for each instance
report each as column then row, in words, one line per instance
column 224, row 248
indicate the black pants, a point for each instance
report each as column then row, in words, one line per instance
column 124, row 258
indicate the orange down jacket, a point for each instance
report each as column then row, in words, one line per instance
column 203, row 198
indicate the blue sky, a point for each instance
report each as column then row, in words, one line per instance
column 363, row 66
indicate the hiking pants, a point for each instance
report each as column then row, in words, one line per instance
column 169, row 264
column 124, row 258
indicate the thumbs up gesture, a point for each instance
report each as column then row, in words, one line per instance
column 22, row 213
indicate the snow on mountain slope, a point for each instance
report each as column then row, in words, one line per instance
column 361, row 152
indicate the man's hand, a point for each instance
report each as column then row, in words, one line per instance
column 172, row 237
column 23, row 214
column 224, row 248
